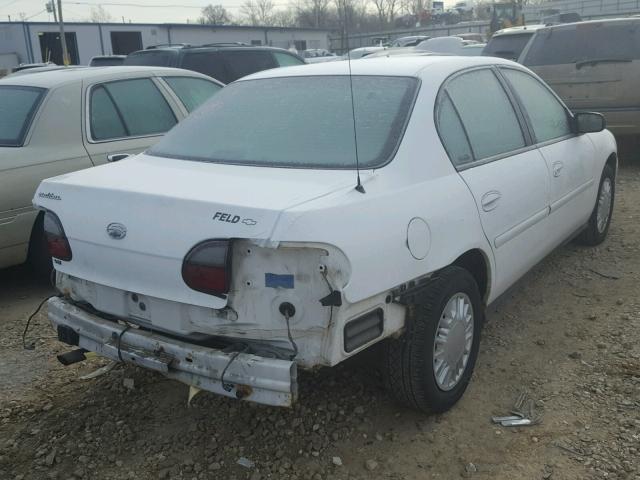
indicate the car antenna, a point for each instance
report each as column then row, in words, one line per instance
column 359, row 186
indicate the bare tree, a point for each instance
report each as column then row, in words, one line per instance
column 215, row 15
column 386, row 10
column 257, row 12
column 315, row 13
column 100, row 15
column 284, row 18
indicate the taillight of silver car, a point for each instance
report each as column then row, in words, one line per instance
column 207, row 267
column 57, row 242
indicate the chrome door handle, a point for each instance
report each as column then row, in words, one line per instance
column 116, row 157
column 490, row 200
column 557, row 168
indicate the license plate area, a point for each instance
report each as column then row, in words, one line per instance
column 139, row 306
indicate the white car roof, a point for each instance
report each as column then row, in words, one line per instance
column 56, row 78
column 518, row 30
column 400, row 66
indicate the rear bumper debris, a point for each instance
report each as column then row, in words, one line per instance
column 248, row 377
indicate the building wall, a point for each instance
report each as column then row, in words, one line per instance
column 13, row 39
column 95, row 39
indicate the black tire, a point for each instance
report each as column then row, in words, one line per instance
column 39, row 258
column 408, row 360
column 592, row 235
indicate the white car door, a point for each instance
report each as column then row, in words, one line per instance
column 570, row 158
column 125, row 117
column 487, row 142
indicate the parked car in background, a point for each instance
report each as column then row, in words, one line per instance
column 476, row 37
column 245, row 245
column 557, row 18
column 28, row 66
column 410, row 41
column 317, row 52
column 357, row 53
column 107, row 60
column 474, row 50
column 447, row 45
column 47, row 68
column 319, row 55
column 56, row 122
column 225, row 62
column 509, row 42
column 593, row 65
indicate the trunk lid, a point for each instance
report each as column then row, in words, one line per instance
column 166, row 207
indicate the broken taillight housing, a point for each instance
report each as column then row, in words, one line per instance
column 207, row 267
column 57, row 242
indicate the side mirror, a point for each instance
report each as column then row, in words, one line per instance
column 589, row 122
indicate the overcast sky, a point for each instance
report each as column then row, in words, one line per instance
column 148, row 11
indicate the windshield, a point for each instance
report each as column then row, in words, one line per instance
column 154, row 58
column 18, row 105
column 584, row 42
column 303, row 122
column 507, row 46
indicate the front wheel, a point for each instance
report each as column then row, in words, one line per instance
column 600, row 220
column 429, row 367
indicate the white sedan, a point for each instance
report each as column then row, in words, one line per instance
column 255, row 238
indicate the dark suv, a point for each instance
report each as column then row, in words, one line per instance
column 225, row 62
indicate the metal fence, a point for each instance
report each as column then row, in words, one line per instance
column 588, row 9
column 339, row 44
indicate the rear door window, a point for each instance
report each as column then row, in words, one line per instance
column 129, row 108
column 452, row 132
column 588, row 41
column 486, row 113
column 209, row 63
column 286, row 60
column 154, row 58
column 192, row 92
column 241, row 63
column 18, row 106
column 547, row 116
column 507, row 46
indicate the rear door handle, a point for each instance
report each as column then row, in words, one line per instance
column 557, row 168
column 116, row 157
column 490, row 200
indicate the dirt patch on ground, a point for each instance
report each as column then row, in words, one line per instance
column 568, row 334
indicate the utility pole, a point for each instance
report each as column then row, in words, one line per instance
column 55, row 14
column 63, row 39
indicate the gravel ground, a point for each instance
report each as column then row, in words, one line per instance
column 568, row 334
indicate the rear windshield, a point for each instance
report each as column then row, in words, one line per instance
column 507, row 46
column 18, row 106
column 106, row 62
column 584, row 42
column 302, row 122
column 154, row 58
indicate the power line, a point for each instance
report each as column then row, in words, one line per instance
column 143, row 5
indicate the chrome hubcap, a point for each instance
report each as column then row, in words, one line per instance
column 604, row 205
column 454, row 338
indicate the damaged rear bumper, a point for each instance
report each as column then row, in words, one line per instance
column 248, row 377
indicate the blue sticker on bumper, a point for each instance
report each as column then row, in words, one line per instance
column 273, row 280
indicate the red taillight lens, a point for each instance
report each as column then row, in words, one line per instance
column 207, row 267
column 56, row 239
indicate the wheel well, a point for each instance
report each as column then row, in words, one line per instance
column 476, row 264
column 613, row 162
column 37, row 224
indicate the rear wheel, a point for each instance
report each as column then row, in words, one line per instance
column 600, row 220
column 39, row 257
column 429, row 367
